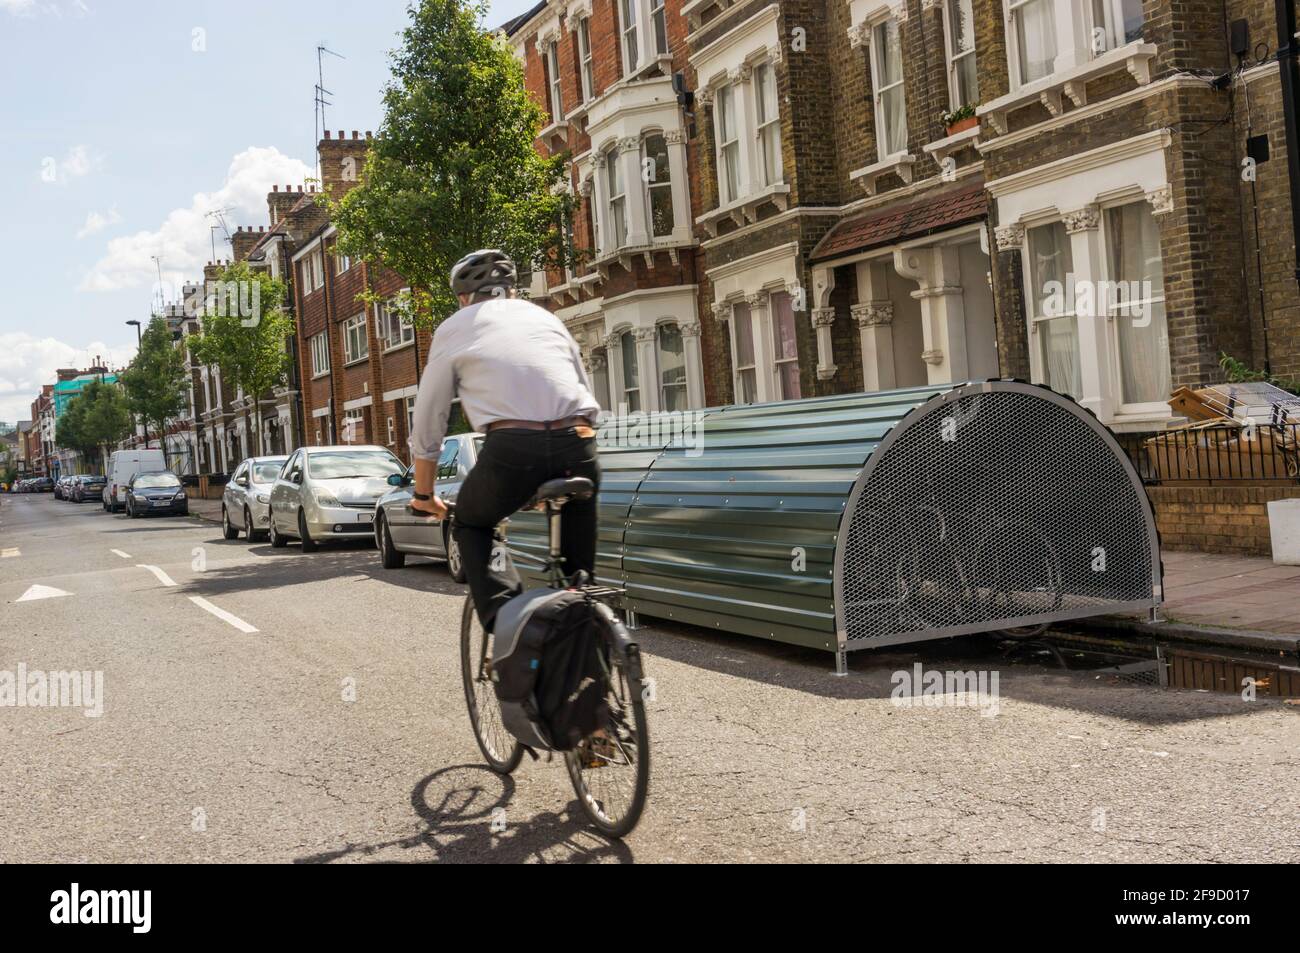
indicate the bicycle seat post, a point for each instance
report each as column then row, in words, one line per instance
column 553, row 528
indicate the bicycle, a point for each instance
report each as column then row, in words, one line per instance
column 610, row 769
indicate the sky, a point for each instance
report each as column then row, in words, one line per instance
column 125, row 123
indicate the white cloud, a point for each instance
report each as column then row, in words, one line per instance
column 19, row 8
column 30, row 8
column 28, row 362
column 97, row 223
column 183, row 240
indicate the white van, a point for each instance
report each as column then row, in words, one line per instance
column 124, row 464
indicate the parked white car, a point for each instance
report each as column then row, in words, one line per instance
column 124, row 464
column 329, row 493
column 246, row 500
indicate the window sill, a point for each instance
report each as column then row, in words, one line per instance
column 744, row 211
column 317, row 377
column 625, row 254
column 1071, row 84
column 555, row 132
column 869, row 175
column 940, row 149
column 398, row 347
column 356, row 361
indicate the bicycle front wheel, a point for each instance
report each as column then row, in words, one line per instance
column 610, row 769
column 502, row 751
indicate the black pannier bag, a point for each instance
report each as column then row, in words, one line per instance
column 547, row 668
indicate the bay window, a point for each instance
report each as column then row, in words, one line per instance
column 959, row 36
column 887, row 81
column 769, row 123
column 659, row 186
column 728, row 136
column 672, row 367
column 784, row 346
column 742, row 331
column 617, row 199
column 631, row 372
column 1137, row 310
column 1054, row 323
column 1033, row 37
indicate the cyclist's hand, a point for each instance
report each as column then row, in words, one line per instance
column 433, row 507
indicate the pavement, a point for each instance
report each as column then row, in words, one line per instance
column 269, row 705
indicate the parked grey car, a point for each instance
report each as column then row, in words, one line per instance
column 245, row 502
column 329, row 493
column 398, row 533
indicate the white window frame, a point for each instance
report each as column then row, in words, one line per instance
column 556, row 97
column 1036, row 339
column 767, row 125
column 386, row 321
column 615, row 200
column 1112, row 23
column 737, row 368
column 587, row 69
column 1012, row 7
column 342, row 263
column 348, row 328
column 320, row 354
column 359, row 416
column 657, row 183
column 410, row 416
column 629, row 27
column 681, row 386
column 878, row 90
column 951, row 56
column 627, row 337
column 317, row 259
column 659, row 16
column 1116, row 383
column 778, row 388
column 727, row 92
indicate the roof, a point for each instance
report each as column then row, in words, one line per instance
column 513, row 26
column 932, row 214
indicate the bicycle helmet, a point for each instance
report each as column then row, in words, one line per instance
column 487, row 268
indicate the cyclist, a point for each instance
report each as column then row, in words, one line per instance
column 519, row 375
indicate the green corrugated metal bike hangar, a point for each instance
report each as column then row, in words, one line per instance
column 866, row 520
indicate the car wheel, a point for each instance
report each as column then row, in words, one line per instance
column 248, row 526
column 309, row 545
column 227, row 530
column 455, row 565
column 278, row 540
column 388, row 554
column 131, row 511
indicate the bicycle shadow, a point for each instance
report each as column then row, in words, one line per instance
column 465, row 811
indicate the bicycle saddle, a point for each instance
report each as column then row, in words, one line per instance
column 578, row 488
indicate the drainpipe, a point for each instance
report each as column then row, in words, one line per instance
column 1286, row 59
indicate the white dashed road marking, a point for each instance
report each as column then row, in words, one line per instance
column 222, row 614
column 41, row 592
column 165, row 579
column 9, row 553
column 118, row 552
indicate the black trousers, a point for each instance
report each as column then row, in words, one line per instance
column 509, row 469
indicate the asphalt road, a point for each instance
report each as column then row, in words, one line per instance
column 221, row 744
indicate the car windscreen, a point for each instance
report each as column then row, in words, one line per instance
column 345, row 464
column 153, row 481
column 266, row 472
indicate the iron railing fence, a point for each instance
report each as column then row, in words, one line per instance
column 1216, row 454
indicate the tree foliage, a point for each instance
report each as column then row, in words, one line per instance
column 249, row 348
column 156, row 381
column 95, row 418
column 454, row 167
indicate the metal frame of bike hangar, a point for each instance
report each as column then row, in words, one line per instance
column 871, row 519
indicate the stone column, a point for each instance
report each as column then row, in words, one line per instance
column 943, row 317
column 1095, row 371
column 679, row 175
column 647, row 367
column 614, row 351
column 822, row 316
column 874, row 316
column 694, row 364
column 634, row 204
column 744, row 116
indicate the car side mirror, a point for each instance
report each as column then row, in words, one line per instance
column 398, row 479
column 242, row 481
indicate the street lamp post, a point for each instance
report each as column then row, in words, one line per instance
column 137, row 354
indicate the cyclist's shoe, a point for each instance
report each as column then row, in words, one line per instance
column 579, row 579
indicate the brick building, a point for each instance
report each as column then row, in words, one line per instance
column 359, row 360
column 1093, row 230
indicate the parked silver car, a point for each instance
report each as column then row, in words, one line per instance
column 329, row 493
column 398, row 533
column 245, row 502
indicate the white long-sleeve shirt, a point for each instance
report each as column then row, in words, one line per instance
column 507, row 359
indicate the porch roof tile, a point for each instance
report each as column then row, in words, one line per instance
column 934, row 213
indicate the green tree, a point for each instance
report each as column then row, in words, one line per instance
column 454, row 167
column 96, row 417
column 247, row 342
column 156, row 380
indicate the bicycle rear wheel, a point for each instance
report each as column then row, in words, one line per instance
column 610, row 770
column 499, row 747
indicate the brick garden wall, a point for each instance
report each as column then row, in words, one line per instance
column 1217, row 519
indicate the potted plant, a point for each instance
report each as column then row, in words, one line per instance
column 960, row 119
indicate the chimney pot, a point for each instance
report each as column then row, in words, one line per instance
column 275, row 188
column 341, row 136
column 355, row 134
column 327, row 133
column 368, row 134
